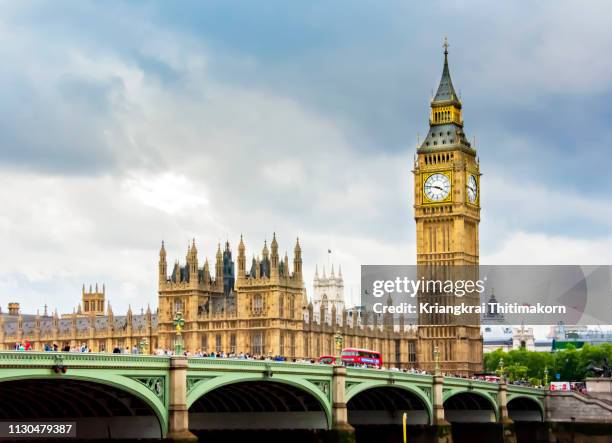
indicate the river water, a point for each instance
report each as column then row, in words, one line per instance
column 461, row 433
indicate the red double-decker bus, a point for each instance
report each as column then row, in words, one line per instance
column 360, row 357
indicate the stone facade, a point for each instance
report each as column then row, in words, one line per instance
column 266, row 312
column 97, row 332
column 572, row 406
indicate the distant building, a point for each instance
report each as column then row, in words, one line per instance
column 496, row 337
column 507, row 338
column 563, row 336
column 328, row 292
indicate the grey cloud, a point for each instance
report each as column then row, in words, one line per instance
column 314, row 140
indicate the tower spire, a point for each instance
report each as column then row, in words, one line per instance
column 446, row 91
column 445, row 120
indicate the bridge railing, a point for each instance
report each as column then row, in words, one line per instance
column 244, row 364
column 34, row 358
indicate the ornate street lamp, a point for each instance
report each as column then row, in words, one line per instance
column 546, row 377
column 501, row 369
column 179, row 323
column 339, row 340
column 144, row 345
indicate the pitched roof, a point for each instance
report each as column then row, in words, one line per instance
column 446, row 91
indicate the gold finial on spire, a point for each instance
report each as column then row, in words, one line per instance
column 445, row 45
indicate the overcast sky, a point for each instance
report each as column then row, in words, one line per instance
column 125, row 123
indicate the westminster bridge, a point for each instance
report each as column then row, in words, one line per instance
column 126, row 396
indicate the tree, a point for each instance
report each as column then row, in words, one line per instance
column 570, row 363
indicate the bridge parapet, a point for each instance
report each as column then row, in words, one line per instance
column 30, row 359
column 207, row 363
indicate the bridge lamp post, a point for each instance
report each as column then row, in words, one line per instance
column 179, row 323
column 501, row 369
column 339, row 340
column 546, row 377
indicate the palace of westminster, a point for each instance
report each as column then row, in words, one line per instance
column 261, row 307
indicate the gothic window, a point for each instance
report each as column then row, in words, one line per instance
column 291, row 306
column 281, row 306
column 292, row 344
column 204, row 342
column 178, row 306
column 282, row 344
column 218, row 343
column 233, row 343
column 257, row 343
column 306, row 351
column 258, row 304
column 411, row 352
column 86, row 306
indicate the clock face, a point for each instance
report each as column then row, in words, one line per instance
column 472, row 189
column 437, row 187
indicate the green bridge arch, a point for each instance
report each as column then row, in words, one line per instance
column 203, row 387
column 117, row 381
column 492, row 401
column 410, row 388
column 531, row 398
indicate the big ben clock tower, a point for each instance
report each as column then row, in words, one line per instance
column 447, row 214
